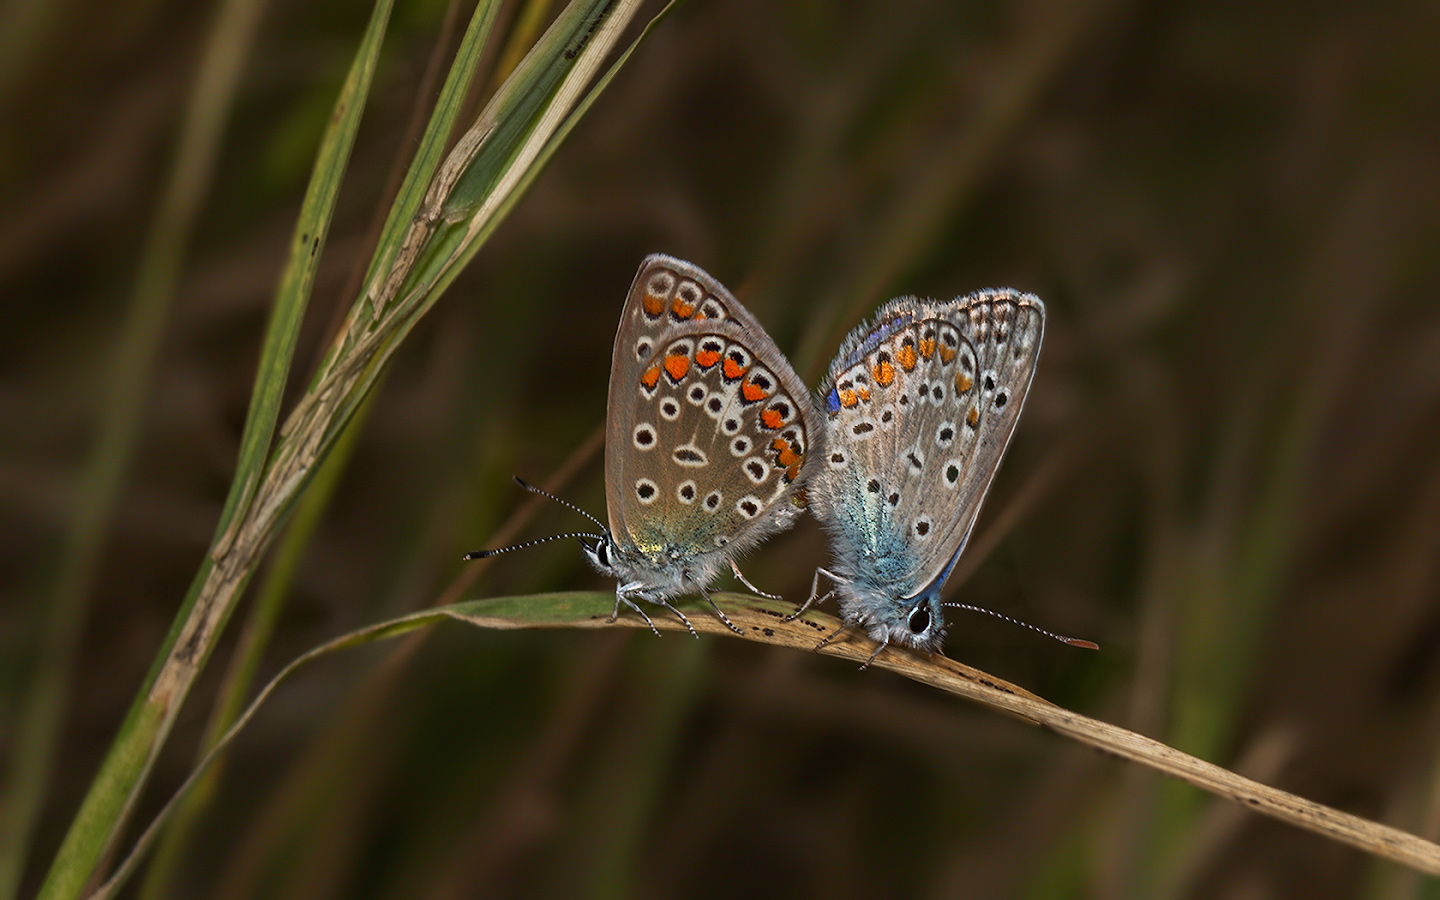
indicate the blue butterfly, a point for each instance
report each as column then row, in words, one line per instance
column 920, row 405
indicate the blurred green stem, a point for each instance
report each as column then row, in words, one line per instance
column 121, row 412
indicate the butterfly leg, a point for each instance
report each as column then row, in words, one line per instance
column 815, row 598
column 666, row 603
column 832, row 635
column 621, row 596
column 883, row 644
column 724, row 618
column 745, row 581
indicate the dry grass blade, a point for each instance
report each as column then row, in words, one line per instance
column 765, row 621
column 762, row 621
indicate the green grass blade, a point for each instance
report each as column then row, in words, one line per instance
column 452, row 225
column 435, row 138
column 117, row 785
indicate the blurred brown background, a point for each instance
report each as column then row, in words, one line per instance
column 1226, row 473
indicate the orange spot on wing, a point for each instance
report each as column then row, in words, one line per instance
column 676, row 365
column 884, row 373
column 706, row 358
column 907, row 357
column 681, row 309
column 733, row 369
column 848, row 399
column 973, row 417
column 947, row 354
column 787, row 456
column 651, row 377
column 963, row 382
column 927, row 347
column 771, row 419
column 752, row 393
column 864, row 395
column 654, row 304
column 791, row 474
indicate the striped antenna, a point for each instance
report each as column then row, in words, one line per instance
column 485, row 554
column 1074, row 642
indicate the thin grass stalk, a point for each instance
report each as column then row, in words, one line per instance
column 266, row 609
column 254, row 641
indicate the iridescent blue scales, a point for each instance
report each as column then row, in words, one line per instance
column 920, row 405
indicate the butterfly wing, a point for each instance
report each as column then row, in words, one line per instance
column 708, row 425
column 921, row 407
column 1002, row 331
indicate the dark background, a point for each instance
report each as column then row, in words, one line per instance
column 1226, row 474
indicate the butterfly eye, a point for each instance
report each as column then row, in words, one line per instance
column 598, row 549
column 919, row 620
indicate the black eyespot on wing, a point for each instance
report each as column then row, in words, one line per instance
column 873, row 486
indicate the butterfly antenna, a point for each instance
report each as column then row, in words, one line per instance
column 485, row 554
column 1074, row 642
column 566, row 503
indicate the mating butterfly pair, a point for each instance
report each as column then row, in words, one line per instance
column 711, row 436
